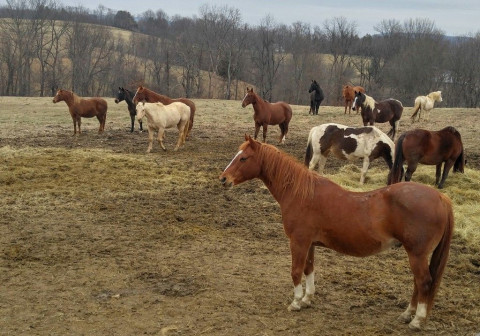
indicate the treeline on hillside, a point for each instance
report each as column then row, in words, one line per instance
column 46, row 46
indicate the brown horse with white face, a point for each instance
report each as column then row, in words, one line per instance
column 318, row 212
column 267, row 113
column 83, row 108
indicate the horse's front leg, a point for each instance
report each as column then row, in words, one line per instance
column 446, row 169
column 132, row 119
column 79, row 123
column 264, row 128
column 299, row 250
column 438, row 172
column 74, row 125
column 257, row 129
column 309, row 278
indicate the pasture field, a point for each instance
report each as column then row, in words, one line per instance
column 99, row 238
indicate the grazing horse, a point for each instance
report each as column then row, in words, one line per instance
column 268, row 114
column 347, row 143
column 317, row 212
column 425, row 103
column 430, row 148
column 161, row 116
column 387, row 110
column 144, row 94
column 348, row 93
column 124, row 94
column 316, row 97
column 83, row 108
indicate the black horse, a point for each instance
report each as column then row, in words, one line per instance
column 124, row 94
column 316, row 97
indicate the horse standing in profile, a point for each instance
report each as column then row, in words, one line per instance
column 387, row 110
column 124, row 94
column 347, row 143
column 348, row 93
column 425, row 103
column 317, row 212
column 266, row 113
column 149, row 96
column 161, row 117
column 430, row 148
column 316, row 97
column 83, row 108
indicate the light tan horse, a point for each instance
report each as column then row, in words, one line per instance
column 161, row 117
column 317, row 212
column 83, row 108
column 425, row 103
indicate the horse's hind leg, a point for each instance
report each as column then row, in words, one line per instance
column 265, row 128
column 411, row 167
column 299, row 250
column 407, row 315
column 284, row 130
column 438, row 172
column 257, row 129
column 423, row 283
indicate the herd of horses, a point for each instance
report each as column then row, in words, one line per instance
column 316, row 211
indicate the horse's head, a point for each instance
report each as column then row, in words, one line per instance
column 60, row 96
column 250, row 98
column 314, row 86
column 140, row 109
column 244, row 166
column 358, row 100
column 121, row 95
column 139, row 95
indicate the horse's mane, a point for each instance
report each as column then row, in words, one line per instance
column 369, row 101
column 286, row 169
column 75, row 98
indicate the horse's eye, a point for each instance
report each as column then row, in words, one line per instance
column 243, row 159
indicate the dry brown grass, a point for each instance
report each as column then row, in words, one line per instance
column 96, row 237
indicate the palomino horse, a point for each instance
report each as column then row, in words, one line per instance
column 161, row 117
column 430, row 148
column 268, row 114
column 144, row 94
column 347, row 143
column 348, row 93
column 317, row 212
column 316, row 97
column 83, row 108
column 124, row 94
column 425, row 103
column 387, row 110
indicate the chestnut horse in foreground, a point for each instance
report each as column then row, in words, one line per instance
column 149, row 96
column 317, row 212
column 267, row 113
column 430, row 148
column 348, row 93
column 83, row 108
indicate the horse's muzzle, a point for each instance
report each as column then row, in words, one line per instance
column 226, row 184
column 117, row 101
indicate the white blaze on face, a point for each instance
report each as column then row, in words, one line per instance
column 355, row 101
column 240, row 152
column 243, row 100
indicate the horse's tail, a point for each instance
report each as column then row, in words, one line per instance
column 308, row 151
column 440, row 254
column 459, row 164
column 396, row 173
column 416, row 108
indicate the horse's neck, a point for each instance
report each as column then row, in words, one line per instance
column 71, row 99
column 129, row 99
column 161, row 98
column 259, row 103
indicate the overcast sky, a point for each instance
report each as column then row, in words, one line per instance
column 459, row 17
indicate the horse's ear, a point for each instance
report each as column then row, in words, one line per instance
column 253, row 143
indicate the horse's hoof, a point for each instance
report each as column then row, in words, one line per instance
column 294, row 306
column 405, row 317
column 415, row 325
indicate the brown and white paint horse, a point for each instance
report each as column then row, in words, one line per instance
column 317, row 212
column 348, row 143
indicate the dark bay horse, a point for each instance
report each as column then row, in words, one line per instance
column 267, row 113
column 430, row 148
column 316, row 97
column 83, row 108
column 127, row 96
column 317, row 212
column 149, row 96
column 348, row 143
column 348, row 93
column 387, row 110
